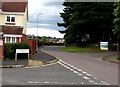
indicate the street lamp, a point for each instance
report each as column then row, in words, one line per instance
column 37, row 31
column 37, row 22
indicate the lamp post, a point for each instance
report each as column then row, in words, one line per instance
column 37, row 31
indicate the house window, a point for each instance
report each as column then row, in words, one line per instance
column 10, row 19
column 7, row 39
column 10, row 40
column 13, row 39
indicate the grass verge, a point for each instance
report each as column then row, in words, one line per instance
column 79, row 49
column 118, row 58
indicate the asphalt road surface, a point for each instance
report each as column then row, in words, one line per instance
column 60, row 73
column 90, row 63
column 57, row 74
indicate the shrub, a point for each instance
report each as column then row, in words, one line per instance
column 10, row 49
column 118, row 58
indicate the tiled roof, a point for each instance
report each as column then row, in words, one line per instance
column 11, row 30
column 0, row 5
column 14, row 6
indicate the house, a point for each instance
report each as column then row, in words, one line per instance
column 13, row 24
column 13, row 20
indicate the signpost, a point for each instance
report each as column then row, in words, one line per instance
column 1, row 42
column 103, row 45
column 21, row 51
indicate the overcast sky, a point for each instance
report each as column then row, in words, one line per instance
column 47, row 18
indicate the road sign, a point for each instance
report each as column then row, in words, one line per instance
column 1, row 42
column 103, row 45
column 21, row 51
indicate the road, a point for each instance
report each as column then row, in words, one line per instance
column 60, row 73
column 89, row 62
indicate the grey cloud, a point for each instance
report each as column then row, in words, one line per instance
column 50, row 16
column 52, row 3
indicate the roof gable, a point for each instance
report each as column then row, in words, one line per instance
column 14, row 6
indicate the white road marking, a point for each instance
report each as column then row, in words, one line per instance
column 79, row 69
column 88, row 74
column 34, row 82
column 46, row 82
column 71, row 66
column 71, row 69
column 91, row 81
column 84, row 72
column 95, row 83
column 30, row 82
column 79, row 74
column 95, row 78
column 75, row 72
column 56, row 82
column 86, row 78
column 83, row 83
column 68, row 66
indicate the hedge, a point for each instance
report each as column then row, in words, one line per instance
column 10, row 49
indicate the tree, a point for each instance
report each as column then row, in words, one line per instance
column 87, row 22
column 116, row 30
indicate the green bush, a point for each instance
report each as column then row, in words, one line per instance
column 118, row 58
column 10, row 49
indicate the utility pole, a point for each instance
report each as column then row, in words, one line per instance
column 37, row 31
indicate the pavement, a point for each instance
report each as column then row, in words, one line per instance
column 41, row 58
column 46, row 58
column 112, row 57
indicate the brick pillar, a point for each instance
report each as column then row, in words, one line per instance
column 32, row 45
column 1, row 49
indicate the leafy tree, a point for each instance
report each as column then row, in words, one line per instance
column 87, row 22
column 116, row 30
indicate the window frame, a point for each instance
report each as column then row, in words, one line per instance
column 10, row 39
column 11, row 16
